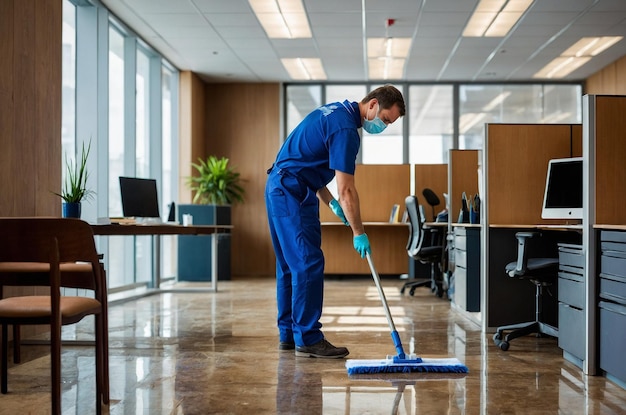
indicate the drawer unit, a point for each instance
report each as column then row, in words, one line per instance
column 613, row 288
column 571, row 289
column 571, row 256
column 613, row 263
column 467, row 268
column 572, row 330
column 613, row 339
column 612, row 307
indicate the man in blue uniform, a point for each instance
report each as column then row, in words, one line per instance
column 324, row 145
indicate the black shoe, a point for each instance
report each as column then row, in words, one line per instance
column 322, row 349
column 286, row 346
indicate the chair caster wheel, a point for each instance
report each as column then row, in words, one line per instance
column 502, row 344
column 412, row 292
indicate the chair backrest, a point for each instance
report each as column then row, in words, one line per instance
column 432, row 199
column 23, row 239
column 416, row 226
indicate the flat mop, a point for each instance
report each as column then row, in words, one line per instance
column 401, row 363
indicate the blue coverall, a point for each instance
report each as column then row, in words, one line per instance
column 325, row 141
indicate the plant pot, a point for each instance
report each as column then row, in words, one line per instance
column 71, row 210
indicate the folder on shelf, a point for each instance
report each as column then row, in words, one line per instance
column 394, row 217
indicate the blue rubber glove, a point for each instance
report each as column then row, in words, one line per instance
column 362, row 244
column 337, row 210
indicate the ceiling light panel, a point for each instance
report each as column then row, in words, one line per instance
column 561, row 67
column 591, row 46
column 576, row 56
column 397, row 47
column 386, row 68
column 282, row 19
column 495, row 18
column 304, row 69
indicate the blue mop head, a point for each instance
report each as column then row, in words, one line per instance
column 407, row 365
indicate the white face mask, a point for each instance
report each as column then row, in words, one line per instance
column 375, row 126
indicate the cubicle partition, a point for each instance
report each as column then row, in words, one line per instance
column 380, row 187
column 514, row 167
column 462, row 177
column 604, row 233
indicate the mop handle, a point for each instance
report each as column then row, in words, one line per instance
column 394, row 333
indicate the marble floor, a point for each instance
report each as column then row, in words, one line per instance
column 193, row 352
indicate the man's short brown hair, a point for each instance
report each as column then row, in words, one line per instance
column 387, row 96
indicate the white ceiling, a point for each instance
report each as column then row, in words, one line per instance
column 222, row 40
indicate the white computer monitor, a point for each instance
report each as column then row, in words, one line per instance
column 563, row 195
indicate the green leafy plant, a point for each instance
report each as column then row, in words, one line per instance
column 75, row 184
column 216, row 183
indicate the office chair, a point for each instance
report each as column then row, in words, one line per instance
column 421, row 251
column 432, row 199
column 541, row 272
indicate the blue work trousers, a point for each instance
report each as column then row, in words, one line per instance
column 293, row 214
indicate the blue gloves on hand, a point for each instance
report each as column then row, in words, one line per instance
column 337, row 210
column 362, row 244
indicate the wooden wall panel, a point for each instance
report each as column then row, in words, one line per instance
column 192, row 129
column 517, row 162
column 611, row 80
column 380, row 187
column 463, row 177
column 610, row 155
column 388, row 249
column 30, row 113
column 243, row 124
column 30, row 99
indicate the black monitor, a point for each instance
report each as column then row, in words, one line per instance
column 563, row 196
column 139, row 197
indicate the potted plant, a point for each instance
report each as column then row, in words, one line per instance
column 216, row 186
column 74, row 189
column 216, row 183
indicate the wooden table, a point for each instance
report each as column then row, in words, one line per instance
column 156, row 231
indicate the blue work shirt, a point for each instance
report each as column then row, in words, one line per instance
column 326, row 140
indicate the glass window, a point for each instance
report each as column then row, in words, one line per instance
column 339, row 93
column 142, row 116
column 68, row 93
column 301, row 100
column 533, row 103
column 116, row 119
column 386, row 147
column 168, row 175
column 118, row 267
column 431, row 126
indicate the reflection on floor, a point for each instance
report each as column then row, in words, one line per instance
column 216, row 353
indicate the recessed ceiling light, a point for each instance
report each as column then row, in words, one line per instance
column 284, row 19
column 495, row 18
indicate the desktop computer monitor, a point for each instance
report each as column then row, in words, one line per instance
column 563, row 195
column 139, row 197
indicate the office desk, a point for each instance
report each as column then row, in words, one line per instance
column 388, row 240
column 156, row 231
column 506, row 300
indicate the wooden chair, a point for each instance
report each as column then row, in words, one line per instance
column 55, row 253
